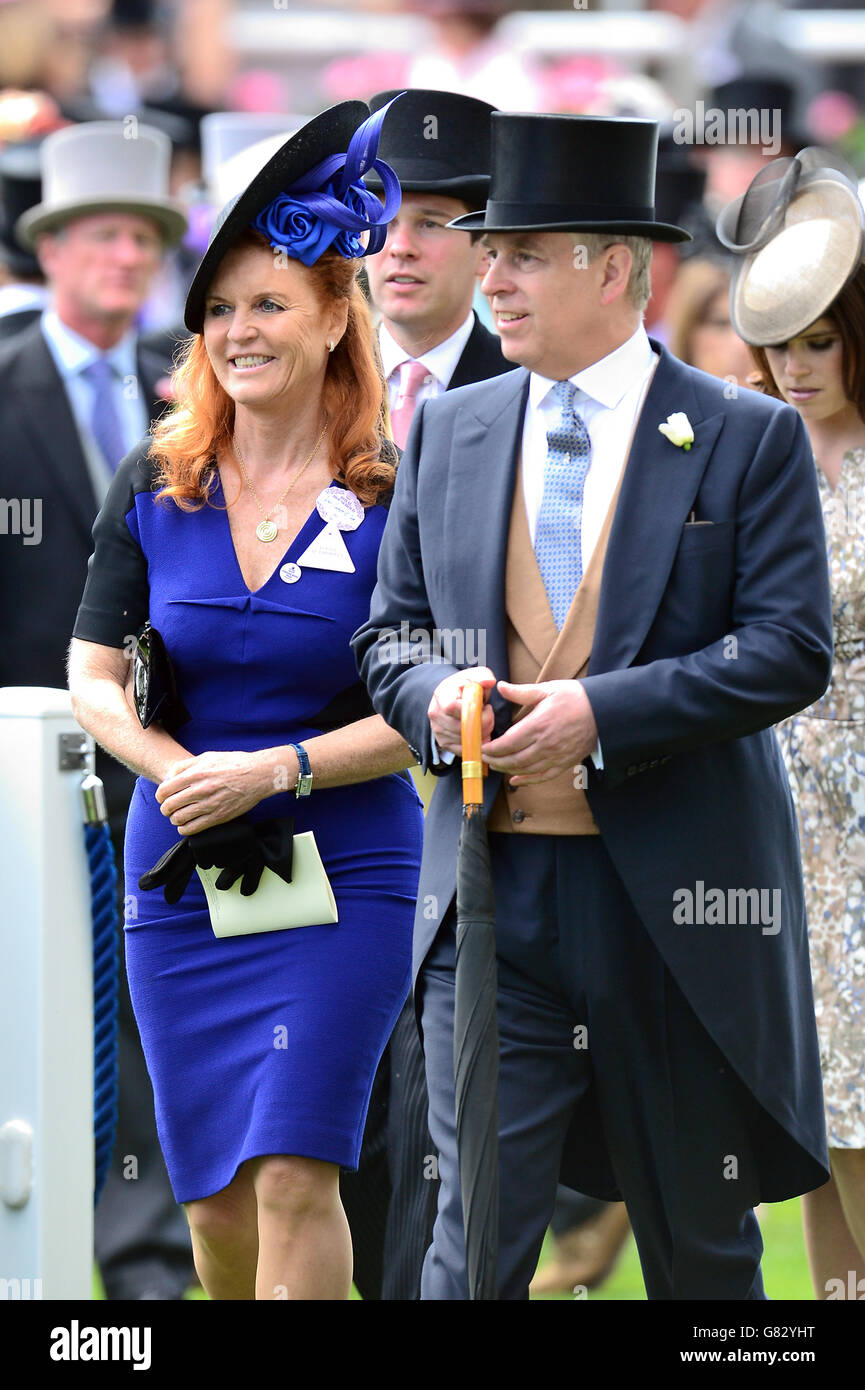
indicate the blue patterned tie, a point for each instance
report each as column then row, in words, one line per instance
column 105, row 420
column 557, row 535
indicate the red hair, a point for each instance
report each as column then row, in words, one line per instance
column 187, row 441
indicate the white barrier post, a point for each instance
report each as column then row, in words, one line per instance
column 46, row 1001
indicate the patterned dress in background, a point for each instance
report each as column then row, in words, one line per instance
column 824, row 750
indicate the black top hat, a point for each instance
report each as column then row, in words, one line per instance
column 680, row 182
column 437, row 142
column 20, row 190
column 764, row 91
column 572, row 173
column 319, row 143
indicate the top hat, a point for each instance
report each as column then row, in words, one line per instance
column 799, row 233
column 572, row 173
column 437, row 142
column 757, row 91
column 680, row 182
column 310, row 195
column 104, row 166
column 20, row 189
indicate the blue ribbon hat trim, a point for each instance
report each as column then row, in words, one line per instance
column 331, row 205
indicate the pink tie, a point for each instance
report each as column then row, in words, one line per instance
column 412, row 377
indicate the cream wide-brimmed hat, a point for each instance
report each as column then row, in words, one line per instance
column 104, row 166
column 799, row 233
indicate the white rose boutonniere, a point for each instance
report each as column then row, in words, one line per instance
column 678, row 430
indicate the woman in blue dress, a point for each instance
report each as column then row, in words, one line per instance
column 247, row 532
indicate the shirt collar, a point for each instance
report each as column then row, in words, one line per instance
column 608, row 380
column 440, row 361
column 72, row 352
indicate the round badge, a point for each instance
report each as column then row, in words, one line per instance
column 290, row 573
column 340, row 507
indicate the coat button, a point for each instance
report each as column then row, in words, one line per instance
column 518, row 817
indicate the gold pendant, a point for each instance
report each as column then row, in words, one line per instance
column 267, row 530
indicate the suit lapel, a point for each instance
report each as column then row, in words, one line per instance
column 47, row 419
column 486, row 443
column 658, row 492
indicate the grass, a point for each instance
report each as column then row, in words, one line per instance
column 785, row 1269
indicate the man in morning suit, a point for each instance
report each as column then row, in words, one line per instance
column 431, row 340
column 650, row 606
column 77, row 390
column 423, row 281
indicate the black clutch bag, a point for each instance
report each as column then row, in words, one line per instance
column 154, row 683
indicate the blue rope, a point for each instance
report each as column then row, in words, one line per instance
column 103, row 893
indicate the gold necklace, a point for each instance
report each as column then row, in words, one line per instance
column 268, row 530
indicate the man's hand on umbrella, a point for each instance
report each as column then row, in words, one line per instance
column 556, row 734
column 446, row 704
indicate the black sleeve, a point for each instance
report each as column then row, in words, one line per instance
column 116, row 596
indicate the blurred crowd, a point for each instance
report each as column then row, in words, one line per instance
column 182, row 68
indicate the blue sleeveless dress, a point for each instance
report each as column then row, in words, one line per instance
column 265, row 1044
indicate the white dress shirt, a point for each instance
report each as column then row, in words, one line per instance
column 440, row 362
column 72, row 354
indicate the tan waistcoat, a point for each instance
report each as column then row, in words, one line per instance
column 537, row 651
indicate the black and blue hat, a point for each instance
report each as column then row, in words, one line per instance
column 308, row 198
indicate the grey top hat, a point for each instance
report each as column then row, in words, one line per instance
column 104, row 166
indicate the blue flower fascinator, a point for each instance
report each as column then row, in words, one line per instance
column 331, row 206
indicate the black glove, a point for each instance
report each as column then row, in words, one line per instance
column 233, row 848
column 172, row 872
column 241, row 850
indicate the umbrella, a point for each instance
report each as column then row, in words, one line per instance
column 476, row 1037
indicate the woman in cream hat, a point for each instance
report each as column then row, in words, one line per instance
column 798, row 298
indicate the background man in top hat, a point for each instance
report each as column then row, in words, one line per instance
column 431, row 340
column 656, row 1051
column 424, row 280
column 77, row 390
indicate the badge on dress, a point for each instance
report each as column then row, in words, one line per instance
column 341, row 511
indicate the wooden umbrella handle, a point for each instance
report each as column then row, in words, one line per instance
column 470, row 729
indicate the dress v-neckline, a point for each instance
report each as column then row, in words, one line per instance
column 279, row 564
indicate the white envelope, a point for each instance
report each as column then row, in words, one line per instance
column 275, row 905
